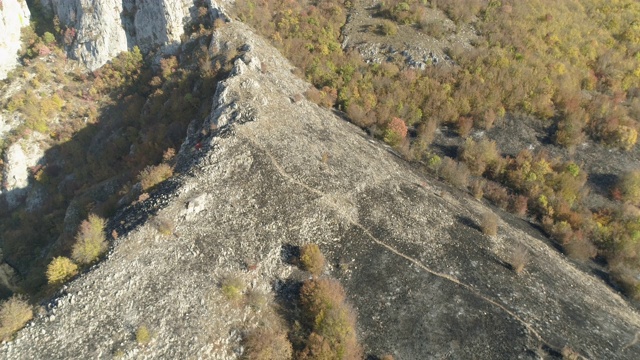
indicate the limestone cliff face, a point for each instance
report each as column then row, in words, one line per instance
column 104, row 28
column 14, row 15
column 18, row 159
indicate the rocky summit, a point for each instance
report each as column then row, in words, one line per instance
column 269, row 171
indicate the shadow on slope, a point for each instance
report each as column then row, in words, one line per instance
column 118, row 120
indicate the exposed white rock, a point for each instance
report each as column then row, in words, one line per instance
column 160, row 22
column 18, row 158
column 106, row 28
column 100, row 34
column 14, row 15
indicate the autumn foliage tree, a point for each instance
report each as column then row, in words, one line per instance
column 331, row 320
column 396, row 132
column 91, row 241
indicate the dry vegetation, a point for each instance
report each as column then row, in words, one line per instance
column 489, row 224
column 15, row 313
column 331, row 321
column 311, row 259
column 272, row 343
column 518, row 258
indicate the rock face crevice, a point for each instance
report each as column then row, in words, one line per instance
column 280, row 170
column 14, row 15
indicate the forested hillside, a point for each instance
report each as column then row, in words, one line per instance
column 575, row 65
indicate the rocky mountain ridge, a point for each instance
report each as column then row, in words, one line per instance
column 268, row 170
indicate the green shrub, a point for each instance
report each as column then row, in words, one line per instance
column 61, row 269
column 91, row 241
column 434, row 162
column 15, row 313
column 143, row 336
column 570, row 128
column 153, row 175
column 435, row 28
column 311, row 259
column 233, row 288
column 48, row 38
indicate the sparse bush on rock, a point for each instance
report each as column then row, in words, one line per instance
column 14, row 315
column 61, row 269
column 518, row 258
column 91, row 241
column 165, row 226
column 153, row 175
column 489, row 224
column 233, row 288
column 569, row 354
column 311, row 259
column 143, row 336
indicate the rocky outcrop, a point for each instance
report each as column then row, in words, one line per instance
column 18, row 159
column 14, row 15
column 94, row 29
column 279, row 171
column 98, row 30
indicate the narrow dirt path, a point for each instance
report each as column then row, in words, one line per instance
column 393, row 250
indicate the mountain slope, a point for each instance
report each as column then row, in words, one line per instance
column 268, row 170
